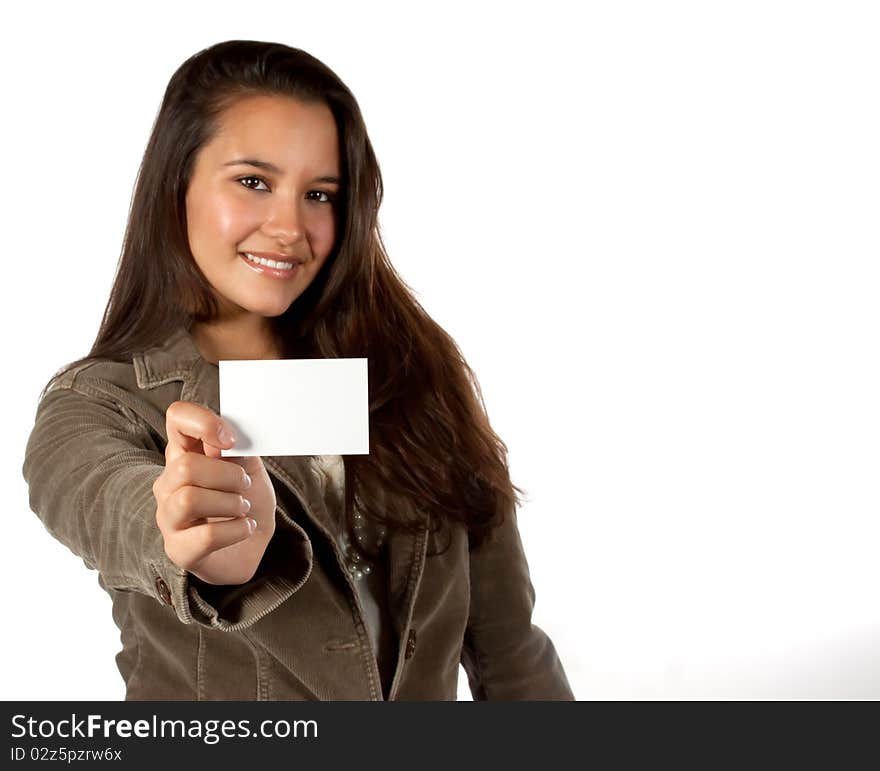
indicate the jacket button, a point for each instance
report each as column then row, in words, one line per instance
column 163, row 590
column 410, row 644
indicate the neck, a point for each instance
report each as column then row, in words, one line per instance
column 236, row 339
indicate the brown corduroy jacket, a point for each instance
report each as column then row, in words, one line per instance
column 296, row 630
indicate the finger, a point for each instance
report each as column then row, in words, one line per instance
column 252, row 464
column 189, row 506
column 193, row 428
column 192, row 545
column 194, row 470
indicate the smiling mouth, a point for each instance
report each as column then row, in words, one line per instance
column 266, row 263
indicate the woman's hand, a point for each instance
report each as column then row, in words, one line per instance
column 202, row 500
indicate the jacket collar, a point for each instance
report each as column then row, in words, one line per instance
column 172, row 360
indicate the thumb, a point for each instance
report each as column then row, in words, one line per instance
column 225, row 437
column 252, row 464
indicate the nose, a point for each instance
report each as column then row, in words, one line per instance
column 285, row 222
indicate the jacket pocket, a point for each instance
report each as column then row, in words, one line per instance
column 230, row 668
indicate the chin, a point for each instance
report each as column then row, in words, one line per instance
column 268, row 311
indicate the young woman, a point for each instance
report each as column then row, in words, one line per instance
column 253, row 235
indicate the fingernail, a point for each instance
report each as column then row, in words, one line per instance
column 226, row 436
column 247, row 480
column 245, row 505
column 252, row 525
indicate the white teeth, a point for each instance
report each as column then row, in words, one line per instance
column 269, row 263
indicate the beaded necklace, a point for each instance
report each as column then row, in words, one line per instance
column 329, row 470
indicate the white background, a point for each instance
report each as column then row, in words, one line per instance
column 652, row 229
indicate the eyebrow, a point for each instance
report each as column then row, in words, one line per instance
column 257, row 163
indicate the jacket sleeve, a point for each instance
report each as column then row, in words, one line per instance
column 90, row 467
column 506, row 657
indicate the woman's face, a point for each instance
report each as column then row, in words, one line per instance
column 281, row 205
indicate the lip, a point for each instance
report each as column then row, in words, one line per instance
column 271, row 272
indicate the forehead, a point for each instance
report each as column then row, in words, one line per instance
column 285, row 131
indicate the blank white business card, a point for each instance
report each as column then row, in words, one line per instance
column 296, row 406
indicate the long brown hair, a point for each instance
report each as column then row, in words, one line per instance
column 433, row 456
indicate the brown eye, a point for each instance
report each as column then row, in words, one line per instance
column 244, row 180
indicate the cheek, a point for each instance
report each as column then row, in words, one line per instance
column 323, row 232
column 222, row 218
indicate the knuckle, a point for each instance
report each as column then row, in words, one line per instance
column 186, row 499
column 162, row 522
column 185, row 466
